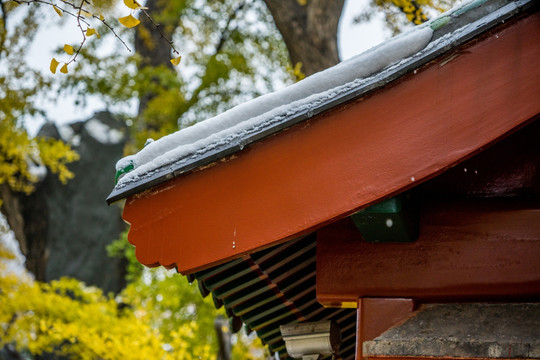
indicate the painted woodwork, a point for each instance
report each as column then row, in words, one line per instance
column 376, row 315
column 345, row 159
column 470, row 250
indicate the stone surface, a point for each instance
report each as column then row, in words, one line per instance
column 465, row 330
column 79, row 222
column 63, row 230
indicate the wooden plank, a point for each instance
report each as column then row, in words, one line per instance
column 486, row 250
column 345, row 159
column 375, row 316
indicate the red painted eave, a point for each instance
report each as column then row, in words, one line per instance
column 346, row 158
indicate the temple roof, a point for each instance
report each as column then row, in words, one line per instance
column 233, row 130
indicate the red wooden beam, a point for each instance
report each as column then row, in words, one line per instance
column 466, row 251
column 345, row 159
column 376, row 315
column 383, row 357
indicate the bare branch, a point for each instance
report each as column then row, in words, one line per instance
column 225, row 33
column 73, row 59
column 78, row 12
column 158, row 27
column 28, row 2
column 78, row 15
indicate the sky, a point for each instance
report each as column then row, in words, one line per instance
column 353, row 40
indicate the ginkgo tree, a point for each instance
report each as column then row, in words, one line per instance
column 22, row 157
column 157, row 316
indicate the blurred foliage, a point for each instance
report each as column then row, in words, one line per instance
column 22, row 157
column 170, row 301
column 20, row 87
column 415, row 11
column 158, row 316
column 230, row 54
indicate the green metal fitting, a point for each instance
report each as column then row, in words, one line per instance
column 123, row 171
column 440, row 22
column 392, row 220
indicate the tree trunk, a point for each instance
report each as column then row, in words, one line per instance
column 27, row 216
column 309, row 31
column 151, row 47
column 223, row 333
column 63, row 230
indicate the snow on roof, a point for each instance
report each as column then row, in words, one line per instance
column 230, row 131
column 259, row 111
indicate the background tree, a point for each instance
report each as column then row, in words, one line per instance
column 233, row 50
column 158, row 315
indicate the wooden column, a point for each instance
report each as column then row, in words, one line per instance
column 376, row 315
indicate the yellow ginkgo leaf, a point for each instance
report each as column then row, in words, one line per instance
column 68, row 49
column 85, row 13
column 129, row 21
column 64, row 69
column 132, row 4
column 58, row 11
column 175, row 61
column 92, row 31
column 54, row 65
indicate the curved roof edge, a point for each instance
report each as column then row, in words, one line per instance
column 450, row 30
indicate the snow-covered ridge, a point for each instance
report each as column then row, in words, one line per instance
column 230, row 131
column 259, row 111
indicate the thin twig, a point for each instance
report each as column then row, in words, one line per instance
column 219, row 46
column 74, row 58
column 111, row 29
column 51, row 4
column 81, row 19
column 158, row 27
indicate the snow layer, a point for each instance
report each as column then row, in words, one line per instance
column 68, row 135
column 13, row 266
column 37, row 170
column 259, row 112
column 103, row 132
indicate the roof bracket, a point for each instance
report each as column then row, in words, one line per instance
column 392, row 220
